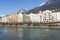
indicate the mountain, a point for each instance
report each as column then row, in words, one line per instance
column 22, row 11
column 49, row 5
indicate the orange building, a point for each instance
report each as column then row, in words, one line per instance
column 14, row 18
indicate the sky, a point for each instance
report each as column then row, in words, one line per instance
column 8, row 7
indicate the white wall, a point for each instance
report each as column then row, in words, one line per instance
column 58, row 16
column 47, row 16
column 3, row 19
column 54, row 15
column 41, row 17
column 20, row 17
column 34, row 17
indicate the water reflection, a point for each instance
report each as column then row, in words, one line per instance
column 17, row 33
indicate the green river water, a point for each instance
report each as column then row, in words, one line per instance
column 17, row 33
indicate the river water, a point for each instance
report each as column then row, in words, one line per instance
column 17, row 33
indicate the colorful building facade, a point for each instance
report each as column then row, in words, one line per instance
column 14, row 18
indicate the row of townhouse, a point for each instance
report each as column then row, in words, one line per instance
column 8, row 18
column 50, row 16
column 45, row 16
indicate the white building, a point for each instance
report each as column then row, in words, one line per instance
column 9, row 18
column 56, row 16
column 47, row 16
column 38, row 18
column 34, row 17
column 41, row 16
column 20, row 18
column 6, row 19
column 3, row 19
